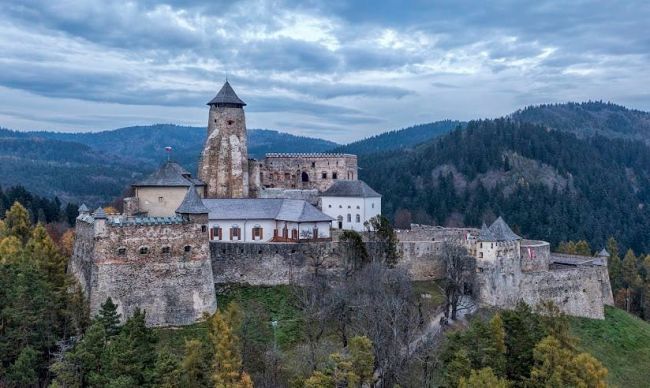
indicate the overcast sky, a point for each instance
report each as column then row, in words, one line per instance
column 340, row 70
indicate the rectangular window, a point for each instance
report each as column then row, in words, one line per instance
column 349, row 217
column 160, row 199
column 166, row 250
column 235, row 233
column 324, row 175
column 258, row 233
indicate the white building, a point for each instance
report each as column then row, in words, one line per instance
column 266, row 220
column 350, row 204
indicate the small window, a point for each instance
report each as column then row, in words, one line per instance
column 358, row 207
column 340, row 206
column 166, row 250
column 372, row 205
column 324, row 175
column 121, row 251
column 313, row 164
column 349, row 217
column 187, row 248
column 480, row 255
column 330, row 206
column 204, row 228
column 334, row 175
column 358, row 218
column 230, row 122
column 160, row 199
column 144, row 250
column 349, row 207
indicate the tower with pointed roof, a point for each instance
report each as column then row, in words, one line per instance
column 224, row 160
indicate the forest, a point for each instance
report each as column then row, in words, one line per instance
column 584, row 189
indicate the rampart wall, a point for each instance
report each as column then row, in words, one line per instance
column 307, row 171
column 174, row 286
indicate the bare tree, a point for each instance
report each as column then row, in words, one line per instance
column 460, row 268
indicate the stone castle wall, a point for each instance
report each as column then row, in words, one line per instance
column 271, row 264
column 174, row 288
column 307, row 171
column 534, row 255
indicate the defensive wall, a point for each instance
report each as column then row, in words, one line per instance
column 160, row 265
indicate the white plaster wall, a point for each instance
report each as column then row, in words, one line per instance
column 342, row 206
column 247, row 229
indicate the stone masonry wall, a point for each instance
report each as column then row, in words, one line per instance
column 174, row 288
column 288, row 170
column 275, row 263
column 224, row 159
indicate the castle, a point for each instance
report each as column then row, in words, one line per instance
column 263, row 222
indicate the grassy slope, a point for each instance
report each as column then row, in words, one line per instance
column 278, row 303
column 621, row 342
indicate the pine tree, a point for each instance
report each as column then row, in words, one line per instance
column 167, row 370
column 582, row 248
column 88, row 354
column 109, row 317
column 460, row 366
column 42, row 251
column 23, row 372
column 614, row 265
column 17, row 222
column 361, row 356
column 498, row 333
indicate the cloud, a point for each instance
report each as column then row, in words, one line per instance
column 336, row 68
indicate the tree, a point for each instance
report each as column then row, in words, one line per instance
column 23, row 372
column 614, row 265
column 582, row 248
column 382, row 234
column 109, row 317
column 11, row 249
column 352, row 368
column 459, row 271
column 17, row 222
column 66, row 243
column 356, row 255
column 498, row 333
column 482, row 378
column 558, row 367
column 630, row 277
column 227, row 357
column 195, row 369
column 42, row 251
column 362, row 358
column 167, row 370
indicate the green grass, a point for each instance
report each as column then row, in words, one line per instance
column 430, row 295
column 268, row 303
column 621, row 342
column 173, row 338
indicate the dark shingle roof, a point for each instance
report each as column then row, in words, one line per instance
column 227, row 96
column 192, row 203
column 485, row 234
column 99, row 214
column 293, row 210
column 502, row 231
column 169, row 174
column 350, row 189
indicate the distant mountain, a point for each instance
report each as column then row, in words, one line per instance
column 399, row 138
column 590, row 119
column 147, row 143
column 97, row 167
column 547, row 184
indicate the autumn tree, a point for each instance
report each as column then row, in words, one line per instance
column 227, row 355
column 557, row 366
column 17, row 222
column 381, row 233
column 483, row 378
column 195, row 366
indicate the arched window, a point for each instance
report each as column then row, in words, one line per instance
column 305, row 176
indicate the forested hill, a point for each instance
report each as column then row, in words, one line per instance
column 146, row 143
column 96, row 167
column 400, row 138
column 548, row 184
column 589, row 119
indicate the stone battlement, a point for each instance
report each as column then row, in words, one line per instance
column 308, row 155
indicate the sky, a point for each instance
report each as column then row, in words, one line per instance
column 339, row 70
